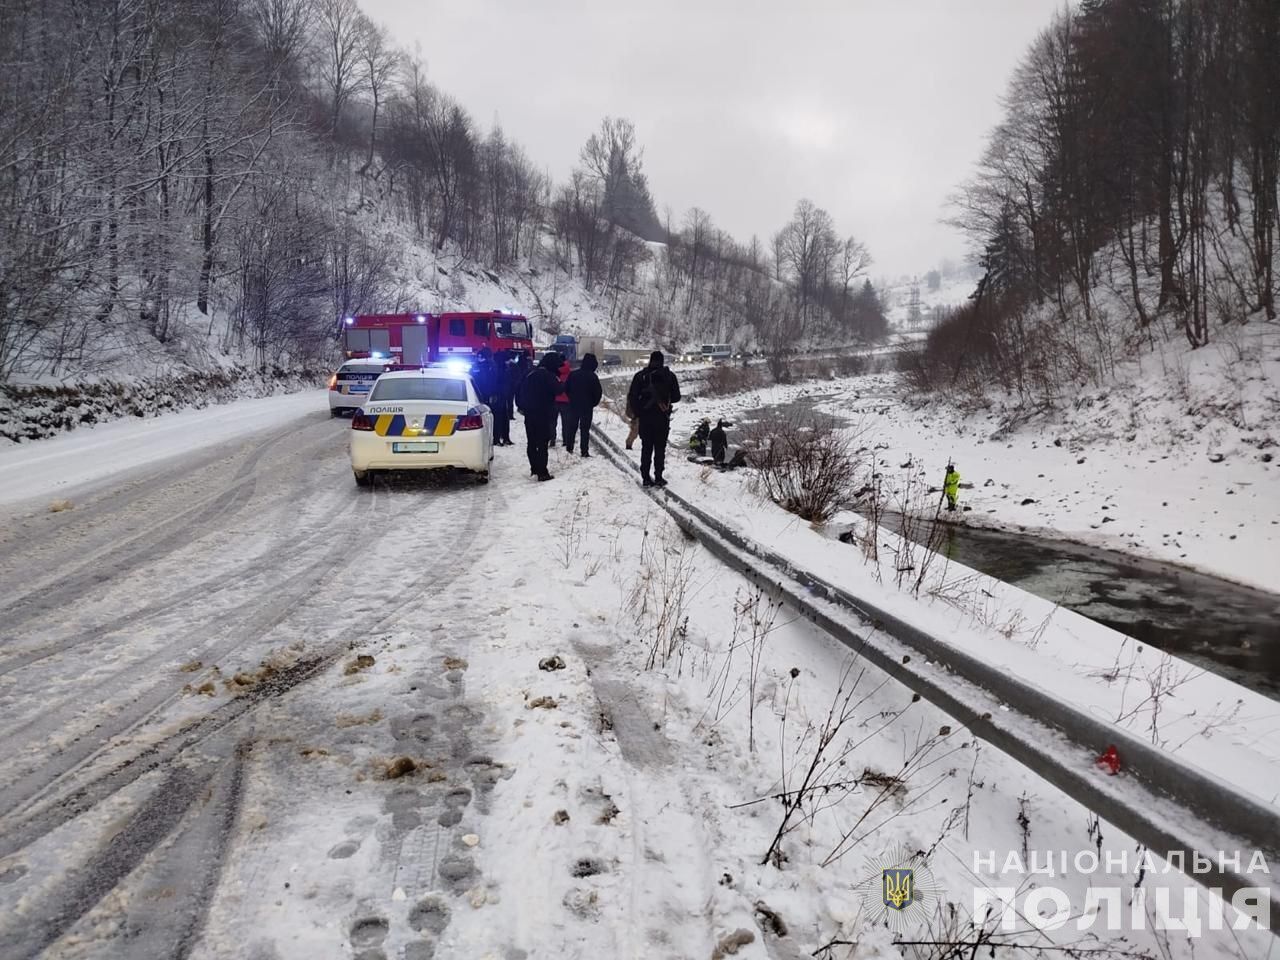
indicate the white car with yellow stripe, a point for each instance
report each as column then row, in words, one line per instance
column 350, row 385
column 428, row 419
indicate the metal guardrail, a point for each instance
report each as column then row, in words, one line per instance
column 1160, row 801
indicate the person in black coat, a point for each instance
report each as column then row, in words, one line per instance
column 518, row 374
column 719, row 442
column 654, row 391
column 538, row 403
column 482, row 375
column 517, row 370
column 583, row 387
column 498, row 400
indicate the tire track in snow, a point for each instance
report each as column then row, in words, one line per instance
column 157, row 541
column 99, row 633
column 242, row 626
column 24, row 830
column 180, row 830
column 109, row 865
column 182, row 877
column 79, row 800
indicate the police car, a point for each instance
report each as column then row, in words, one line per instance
column 350, row 385
column 429, row 419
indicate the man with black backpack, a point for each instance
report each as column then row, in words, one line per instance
column 654, row 391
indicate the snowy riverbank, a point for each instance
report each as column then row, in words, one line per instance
column 1122, row 469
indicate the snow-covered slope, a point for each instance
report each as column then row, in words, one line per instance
column 954, row 286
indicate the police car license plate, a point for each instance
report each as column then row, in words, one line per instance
column 421, row 447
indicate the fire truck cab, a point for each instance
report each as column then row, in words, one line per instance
column 417, row 339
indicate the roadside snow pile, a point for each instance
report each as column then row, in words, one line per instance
column 38, row 411
column 92, row 454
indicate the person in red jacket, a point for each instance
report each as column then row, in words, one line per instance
column 563, row 407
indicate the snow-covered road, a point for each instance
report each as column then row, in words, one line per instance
column 49, row 467
column 253, row 711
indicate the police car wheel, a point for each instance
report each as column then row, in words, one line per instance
column 482, row 477
column 363, row 478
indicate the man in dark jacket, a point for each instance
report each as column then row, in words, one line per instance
column 719, row 442
column 482, row 374
column 538, row 403
column 517, row 370
column 654, row 391
column 498, row 399
column 518, row 375
column 583, row 387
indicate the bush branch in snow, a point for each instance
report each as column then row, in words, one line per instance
column 660, row 594
column 755, row 617
column 805, row 464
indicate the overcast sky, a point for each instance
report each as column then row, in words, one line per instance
column 874, row 109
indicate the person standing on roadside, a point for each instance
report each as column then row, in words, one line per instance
column 538, row 403
column 516, row 372
column 585, row 393
column 654, row 392
column 518, row 375
column 563, row 412
column 486, row 374
column 482, row 375
column 499, row 399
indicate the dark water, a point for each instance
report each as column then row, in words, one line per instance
column 1218, row 625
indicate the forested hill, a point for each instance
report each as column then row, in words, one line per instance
column 1129, row 199
column 213, row 182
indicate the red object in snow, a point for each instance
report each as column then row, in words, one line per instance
column 1110, row 760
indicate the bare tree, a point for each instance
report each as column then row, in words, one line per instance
column 340, row 36
column 379, row 63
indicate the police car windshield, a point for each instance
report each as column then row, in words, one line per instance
column 361, row 368
column 420, row 388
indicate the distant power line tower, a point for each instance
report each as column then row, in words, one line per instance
column 915, row 315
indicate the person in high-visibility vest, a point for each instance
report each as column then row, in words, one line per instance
column 951, row 486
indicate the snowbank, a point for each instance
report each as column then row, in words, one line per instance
column 95, row 453
column 35, row 411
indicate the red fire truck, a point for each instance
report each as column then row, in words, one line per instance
column 415, row 339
